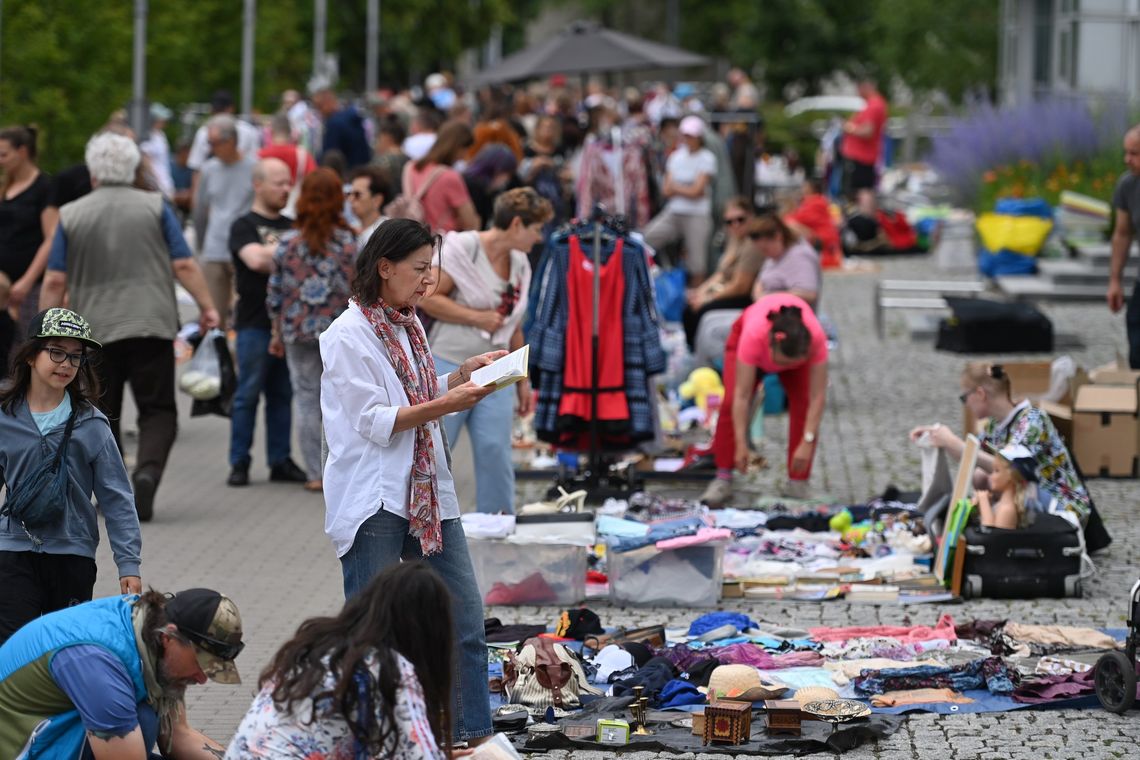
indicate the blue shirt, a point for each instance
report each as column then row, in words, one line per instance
column 46, row 421
column 171, row 231
column 100, row 688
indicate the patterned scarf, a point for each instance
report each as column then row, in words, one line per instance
column 423, row 497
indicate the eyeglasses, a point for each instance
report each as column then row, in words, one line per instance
column 761, row 235
column 59, row 356
column 222, row 649
column 963, row 396
column 732, row 221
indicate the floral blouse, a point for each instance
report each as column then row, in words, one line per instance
column 1029, row 426
column 267, row 732
column 307, row 289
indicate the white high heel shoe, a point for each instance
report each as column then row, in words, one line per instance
column 566, row 502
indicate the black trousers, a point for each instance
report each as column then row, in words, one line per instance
column 1132, row 322
column 148, row 365
column 34, row 584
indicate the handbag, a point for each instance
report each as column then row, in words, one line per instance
column 410, row 205
column 545, row 674
column 41, row 498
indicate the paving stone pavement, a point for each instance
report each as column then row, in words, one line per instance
column 264, row 544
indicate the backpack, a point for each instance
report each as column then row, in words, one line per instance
column 545, row 674
column 409, row 205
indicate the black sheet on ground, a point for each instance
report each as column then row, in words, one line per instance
column 816, row 737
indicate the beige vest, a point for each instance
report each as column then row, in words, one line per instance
column 118, row 264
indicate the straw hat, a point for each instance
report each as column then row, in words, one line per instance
column 742, row 682
column 814, row 694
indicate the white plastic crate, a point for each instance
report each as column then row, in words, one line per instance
column 689, row 576
column 510, row 573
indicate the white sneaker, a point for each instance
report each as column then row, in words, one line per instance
column 717, row 494
column 795, row 489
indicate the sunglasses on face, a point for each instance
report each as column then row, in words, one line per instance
column 963, row 396
column 735, row 220
column 761, row 236
column 58, row 355
column 217, row 648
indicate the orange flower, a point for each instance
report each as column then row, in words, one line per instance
column 989, row 176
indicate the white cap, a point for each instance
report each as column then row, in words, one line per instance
column 435, row 81
column 693, row 126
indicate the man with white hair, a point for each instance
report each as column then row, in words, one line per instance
column 116, row 252
column 225, row 192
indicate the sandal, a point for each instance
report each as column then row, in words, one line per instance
column 567, row 502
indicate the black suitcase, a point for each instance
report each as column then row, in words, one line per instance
column 1043, row 560
column 979, row 325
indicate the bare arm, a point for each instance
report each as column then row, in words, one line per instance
column 49, row 218
column 258, row 256
column 54, row 290
column 187, row 271
column 129, row 747
column 1121, row 241
column 741, row 399
column 187, row 743
column 817, row 390
column 866, row 129
column 457, row 398
column 696, row 190
column 466, row 218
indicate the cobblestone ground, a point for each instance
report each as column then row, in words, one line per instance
column 264, row 544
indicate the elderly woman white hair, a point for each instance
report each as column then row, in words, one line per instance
column 112, row 159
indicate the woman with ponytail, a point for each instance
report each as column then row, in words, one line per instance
column 778, row 335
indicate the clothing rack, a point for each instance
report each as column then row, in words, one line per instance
column 597, row 479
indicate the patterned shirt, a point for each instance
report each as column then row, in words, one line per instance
column 313, row 732
column 1030, row 427
column 309, row 289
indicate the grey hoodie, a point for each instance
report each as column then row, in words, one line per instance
column 96, row 467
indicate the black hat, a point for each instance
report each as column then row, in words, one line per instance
column 213, row 625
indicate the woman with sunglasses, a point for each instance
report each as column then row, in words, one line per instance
column 791, row 264
column 52, row 386
column 987, row 392
column 730, row 286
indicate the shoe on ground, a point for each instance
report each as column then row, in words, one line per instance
column 287, row 471
column 316, row 486
column 239, row 475
column 717, row 494
column 795, row 489
column 144, row 485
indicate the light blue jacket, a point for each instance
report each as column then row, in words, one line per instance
column 96, row 468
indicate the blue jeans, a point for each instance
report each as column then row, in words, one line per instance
column 488, row 424
column 382, row 540
column 259, row 373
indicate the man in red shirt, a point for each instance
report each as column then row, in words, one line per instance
column 861, row 146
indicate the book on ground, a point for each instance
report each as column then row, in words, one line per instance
column 504, row 371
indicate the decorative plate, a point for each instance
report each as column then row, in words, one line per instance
column 837, row 710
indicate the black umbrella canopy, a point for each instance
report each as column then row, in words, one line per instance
column 585, row 47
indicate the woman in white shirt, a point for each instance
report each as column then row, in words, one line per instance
column 389, row 492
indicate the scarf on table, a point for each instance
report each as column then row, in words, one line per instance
column 164, row 701
column 423, row 496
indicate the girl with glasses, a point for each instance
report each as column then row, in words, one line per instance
column 52, row 386
column 730, row 286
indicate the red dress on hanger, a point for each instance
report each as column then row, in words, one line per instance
column 578, row 368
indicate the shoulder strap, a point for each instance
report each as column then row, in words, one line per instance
column 62, row 450
column 431, row 179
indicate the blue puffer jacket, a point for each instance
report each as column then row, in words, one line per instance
column 103, row 622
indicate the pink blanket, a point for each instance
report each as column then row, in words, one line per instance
column 943, row 629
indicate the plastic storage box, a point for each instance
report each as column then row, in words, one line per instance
column 689, row 576
column 510, row 573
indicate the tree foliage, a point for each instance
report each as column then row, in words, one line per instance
column 65, row 66
column 947, row 45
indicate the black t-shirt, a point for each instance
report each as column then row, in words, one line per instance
column 251, row 285
column 69, row 185
column 21, row 229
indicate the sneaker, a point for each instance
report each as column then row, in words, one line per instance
column 144, row 485
column 239, row 475
column 795, row 489
column 717, row 494
column 287, row 471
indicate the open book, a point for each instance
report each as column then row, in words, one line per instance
column 504, row 371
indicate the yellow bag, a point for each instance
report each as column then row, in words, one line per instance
column 1020, row 234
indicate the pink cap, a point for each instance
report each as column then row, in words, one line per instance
column 693, row 126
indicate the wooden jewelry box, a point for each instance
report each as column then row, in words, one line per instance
column 728, row 722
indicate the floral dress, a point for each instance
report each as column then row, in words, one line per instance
column 1032, row 428
column 267, row 732
column 309, row 289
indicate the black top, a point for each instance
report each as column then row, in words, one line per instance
column 251, row 285
column 69, row 185
column 21, row 231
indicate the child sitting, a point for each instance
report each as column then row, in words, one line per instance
column 1012, row 479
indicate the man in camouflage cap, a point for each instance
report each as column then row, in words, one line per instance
column 107, row 678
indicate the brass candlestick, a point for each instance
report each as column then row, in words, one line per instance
column 639, row 709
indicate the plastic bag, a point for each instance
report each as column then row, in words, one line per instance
column 202, row 379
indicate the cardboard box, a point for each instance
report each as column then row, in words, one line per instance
column 1106, row 430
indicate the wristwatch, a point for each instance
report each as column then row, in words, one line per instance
column 809, row 437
